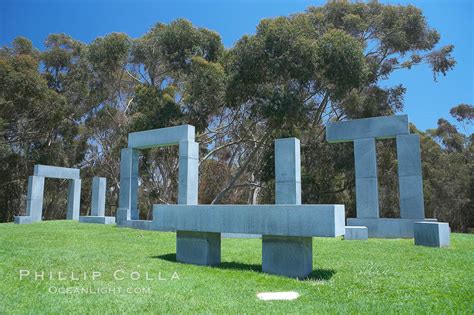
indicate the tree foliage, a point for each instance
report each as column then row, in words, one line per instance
column 73, row 105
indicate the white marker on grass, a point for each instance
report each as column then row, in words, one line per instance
column 278, row 296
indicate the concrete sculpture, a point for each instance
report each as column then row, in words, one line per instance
column 434, row 234
column 360, row 233
column 99, row 185
column 286, row 228
column 34, row 205
column 364, row 132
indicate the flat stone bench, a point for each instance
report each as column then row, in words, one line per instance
column 286, row 231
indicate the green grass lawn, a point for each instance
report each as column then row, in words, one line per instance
column 349, row 276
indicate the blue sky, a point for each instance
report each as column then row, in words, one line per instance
column 425, row 100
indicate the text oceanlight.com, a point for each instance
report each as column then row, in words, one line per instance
column 117, row 275
column 137, row 277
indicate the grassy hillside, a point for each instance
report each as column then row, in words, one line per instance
column 375, row 276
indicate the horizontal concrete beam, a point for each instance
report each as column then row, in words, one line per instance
column 97, row 220
column 280, row 220
column 388, row 228
column 56, row 172
column 160, row 137
column 375, row 127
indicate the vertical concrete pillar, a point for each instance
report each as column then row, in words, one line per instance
column 282, row 255
column 287, row 171
column 188, row 173
column 198, row 248
column 409, row 177
column 74, row 200
column 367, row 196
column 128, row 196
column 34, row 203
column 99, row 185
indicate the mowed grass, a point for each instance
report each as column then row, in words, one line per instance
column 377, row 276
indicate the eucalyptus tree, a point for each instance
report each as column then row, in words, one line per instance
column 301, row 71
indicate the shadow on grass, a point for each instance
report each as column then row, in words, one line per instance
column 315, row 275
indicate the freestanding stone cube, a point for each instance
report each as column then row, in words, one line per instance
column 356, row 233
column 34, row 203
column 433, row 234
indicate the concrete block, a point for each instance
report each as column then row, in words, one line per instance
column 99, row 185
column 34, row 203
column 433, row 234
column 367, row 198
column 122, row 216
column 287, row 171
column 128, row 195
column 375, row 127
column 411, row 197
column 288, row 193
column 188, row 173
column 408, row 155
column 279, row 220
column 356, row 233
column 287, row 160
column 365, row 158
column 97, row 220
column 287, row 256
column 189, row 149
column 56, row 172
column 240, row 235
column 140, row 224
column 74, row 200
column 25, row 220
column 198, row 248
column 160, row 137
column 387, row 228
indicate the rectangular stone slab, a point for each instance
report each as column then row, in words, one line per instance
column 356, row 233
column 388, row 228
column 56, row 172
column 160, row 137
column 25, row 219
column 375, row 127
column 433, row 234
column 97, row 220
column 282, row 220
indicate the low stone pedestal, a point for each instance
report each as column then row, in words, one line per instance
column 97, row 219
column 287, row 256
column 198, row 248
column 433, row 234
column 356, row 233
column 25, row 219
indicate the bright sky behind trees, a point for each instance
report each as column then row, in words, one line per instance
column 425, row 100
